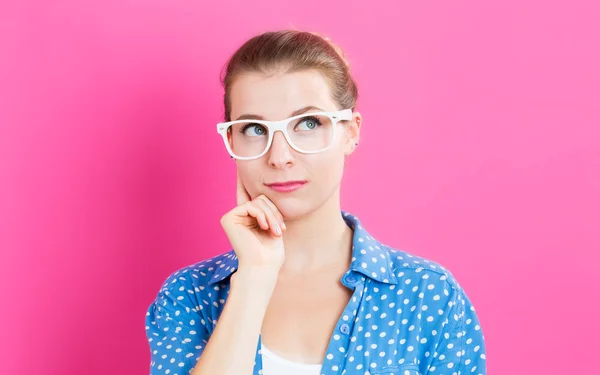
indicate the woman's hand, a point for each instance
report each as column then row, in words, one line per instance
column 255, row 230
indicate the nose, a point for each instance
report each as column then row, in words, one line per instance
column 281, row 153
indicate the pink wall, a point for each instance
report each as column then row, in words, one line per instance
column 480, row 150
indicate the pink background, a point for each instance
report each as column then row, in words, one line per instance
column 480, row 150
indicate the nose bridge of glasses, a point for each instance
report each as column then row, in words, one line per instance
column 281, row 127
column 279, row 138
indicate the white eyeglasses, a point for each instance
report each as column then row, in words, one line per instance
column 309, row 133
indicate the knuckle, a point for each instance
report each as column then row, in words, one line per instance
column 224, row 220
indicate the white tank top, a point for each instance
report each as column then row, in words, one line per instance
column 275, row 365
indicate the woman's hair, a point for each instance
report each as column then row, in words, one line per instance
column 291, row 51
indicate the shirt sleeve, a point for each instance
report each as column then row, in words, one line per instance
column 176, row 331
column 461, row 349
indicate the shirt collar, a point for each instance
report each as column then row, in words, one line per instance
column 369, row 256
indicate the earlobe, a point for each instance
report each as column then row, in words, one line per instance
column 351, row 146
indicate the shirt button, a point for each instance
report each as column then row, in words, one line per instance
column 351, row 279
column 345, row 328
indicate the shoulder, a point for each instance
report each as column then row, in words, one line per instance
column 201, row 274
column 410, row 268
column 428, row 288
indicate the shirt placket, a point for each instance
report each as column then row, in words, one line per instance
column 337, row 350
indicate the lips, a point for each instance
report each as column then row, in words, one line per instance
column 286, row 186
column 286, row 183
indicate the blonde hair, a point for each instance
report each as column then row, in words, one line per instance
column 291, row 51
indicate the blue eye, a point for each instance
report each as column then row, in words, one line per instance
column 254, row 130
column 308, row 123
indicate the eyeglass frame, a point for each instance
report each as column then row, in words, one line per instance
column 273, row 126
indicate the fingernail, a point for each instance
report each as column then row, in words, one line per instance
column 283, row 226
column 278, row 230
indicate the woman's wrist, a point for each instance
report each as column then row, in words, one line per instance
column 255, row 280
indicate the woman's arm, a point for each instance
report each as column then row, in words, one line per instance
column 179, row 339
column 231, row 349
column 176, row 332
column 254, row 228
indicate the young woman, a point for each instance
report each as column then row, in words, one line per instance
column 306, row 290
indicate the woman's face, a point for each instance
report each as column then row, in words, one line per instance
column 276, row 97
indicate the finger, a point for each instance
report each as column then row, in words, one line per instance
column 273, row 208
column 251, row 209
column 271, row 217
column 242, row 195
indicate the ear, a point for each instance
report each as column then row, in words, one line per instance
column 352, row 130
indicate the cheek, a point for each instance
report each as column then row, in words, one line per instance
column 249, row 172
column 329, row 166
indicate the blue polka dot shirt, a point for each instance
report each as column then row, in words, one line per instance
column 407, row 316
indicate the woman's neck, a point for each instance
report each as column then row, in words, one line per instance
column 319, row 240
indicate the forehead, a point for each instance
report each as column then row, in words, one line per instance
column 276, row 96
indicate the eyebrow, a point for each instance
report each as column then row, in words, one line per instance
column 295, row 113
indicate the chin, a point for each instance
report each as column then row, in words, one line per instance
column 293, row 207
